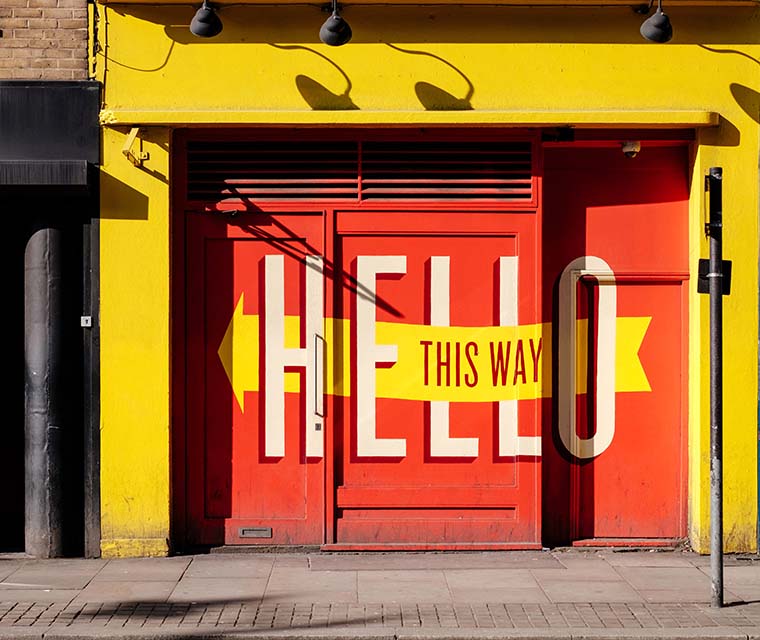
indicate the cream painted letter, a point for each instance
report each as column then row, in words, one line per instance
column 568, row 355
column 277, row 357
column 369, row 353
column 511, row 444
column 441, row 443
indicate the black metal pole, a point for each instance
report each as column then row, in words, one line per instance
column 43, row 469
column 715, row 283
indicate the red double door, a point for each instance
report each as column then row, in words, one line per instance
column 363, row 379
column 442, row 379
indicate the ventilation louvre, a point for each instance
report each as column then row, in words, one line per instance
column 447, row 171
column 229, row 172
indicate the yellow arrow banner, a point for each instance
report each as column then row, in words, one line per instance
column 454, row 364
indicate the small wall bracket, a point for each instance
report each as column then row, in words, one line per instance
column 136, row 158
column 704, row 275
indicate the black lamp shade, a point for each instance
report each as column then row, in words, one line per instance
column 335, row 31
column 657, row 28
column 205, row 23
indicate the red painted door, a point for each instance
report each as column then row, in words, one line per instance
column 437, row 423
column 616, row 270
column 255, row 428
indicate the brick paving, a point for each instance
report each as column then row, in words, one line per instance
column 423, row 615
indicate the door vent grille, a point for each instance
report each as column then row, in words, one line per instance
column 237, row 171
column 447, row 171
column 230, row 172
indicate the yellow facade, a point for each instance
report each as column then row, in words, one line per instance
column 413, row 65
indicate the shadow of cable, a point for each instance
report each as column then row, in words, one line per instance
column 320, row 98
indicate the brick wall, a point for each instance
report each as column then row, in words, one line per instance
column 43, row 40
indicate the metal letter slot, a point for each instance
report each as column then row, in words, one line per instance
column 255, row 532
column 319, row 375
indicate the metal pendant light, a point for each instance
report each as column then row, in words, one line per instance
column 657, row 28
column 335, row 31
column 206, row 22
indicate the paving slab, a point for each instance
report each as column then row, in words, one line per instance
column 741, row 593
column 229, row 566
column 219, row 590
column 292, row 561
column 37, row 595
column 686, row 578
column 578, row 574
column 150, row 591
column 431, row 561
column 484, row 586
column 402, row 586
column 7, row 567
column 63, row 574
column 700, row 593
column 294, row 584
column 747, row 576
column 650, row 559
column 143, row 569
column 588, row 591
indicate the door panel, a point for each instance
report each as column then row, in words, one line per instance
column 254, row 305
column 624, row 224
column 437, row 442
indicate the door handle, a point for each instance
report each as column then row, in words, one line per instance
column 319, row 375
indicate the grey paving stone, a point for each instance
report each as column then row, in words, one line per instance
column 403, row 586
column 292, row 584
column 578, row 570
column 400, row 561
column 218, row 590
column 747, row 576
column 143, row 569
column 230, row 566
column 687, row 578
column 698, row 594
column 293, row 561
column 38, row 595
column 8, row 566
column 650, row 559
column 484, row 586
column 62, row 574
column 151, row 591
column 588, row 591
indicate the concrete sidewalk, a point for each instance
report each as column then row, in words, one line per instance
column 525, row 594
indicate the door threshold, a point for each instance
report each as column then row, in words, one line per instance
column 431, row 546
column 649, row 543
column 264, row 548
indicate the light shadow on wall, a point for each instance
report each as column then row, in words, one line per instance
column 320, row 98
column 436, row 99
column 724, row 135
column 316, row 95
column 748, row 99
column 121, row 201
column 432, row 97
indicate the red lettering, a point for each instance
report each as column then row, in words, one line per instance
column 457, row 366
column 471, row 381
column 444, row 363
column 519, row 363
column 500, row 362
column 426, row 344
column 535, row 354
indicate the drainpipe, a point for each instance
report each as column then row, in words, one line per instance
column 44, row 433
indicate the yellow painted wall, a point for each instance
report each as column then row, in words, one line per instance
column 134, row 348
column 414, row 65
